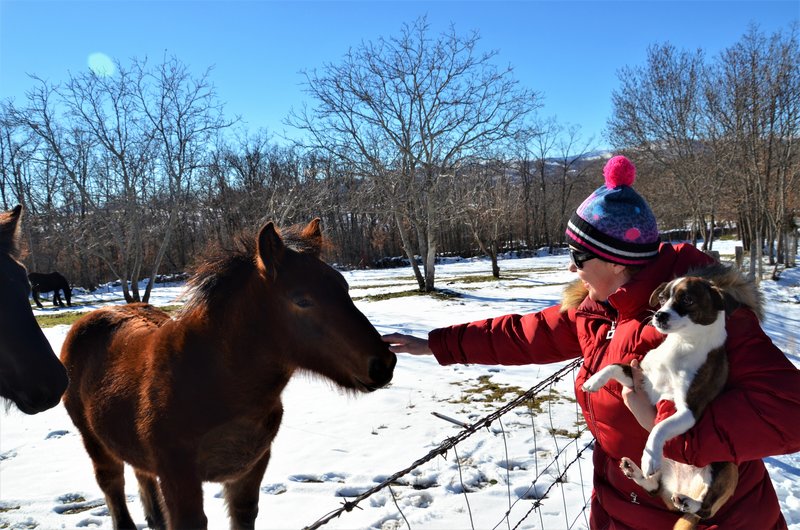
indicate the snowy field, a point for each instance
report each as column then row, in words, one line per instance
column 333, row 447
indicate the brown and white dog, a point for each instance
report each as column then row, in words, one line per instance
column 689, row 368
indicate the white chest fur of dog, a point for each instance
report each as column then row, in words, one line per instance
column 690, row 369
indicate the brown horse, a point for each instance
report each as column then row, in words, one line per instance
column 197, row 397
column 30, row 375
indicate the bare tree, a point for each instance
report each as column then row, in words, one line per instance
column 184, row 115
column 660, row 111
column 572, row 169
column 127, row 147
column 754, row 99
column 488, row 200
column 405, row 111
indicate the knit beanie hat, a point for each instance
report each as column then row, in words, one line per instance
column 615, row 223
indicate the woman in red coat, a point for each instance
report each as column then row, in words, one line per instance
column 619, row 261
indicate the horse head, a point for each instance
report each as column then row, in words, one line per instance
column 31, row 375
column 325, row 332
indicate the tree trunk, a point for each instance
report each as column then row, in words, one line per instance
column 409, row 250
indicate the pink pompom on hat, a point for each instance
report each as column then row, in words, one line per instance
column 615, row 223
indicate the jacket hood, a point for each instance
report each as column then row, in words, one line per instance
column 737, row 288
column 573, row 295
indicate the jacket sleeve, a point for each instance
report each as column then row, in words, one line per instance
column 536, row 338
column 758, row 412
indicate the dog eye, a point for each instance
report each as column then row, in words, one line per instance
column 687, row 300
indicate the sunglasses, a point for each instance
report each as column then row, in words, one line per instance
column 579, row 257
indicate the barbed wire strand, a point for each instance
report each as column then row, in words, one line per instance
column 463, row 487
column 394, row 499
column 508, row 472
column 578, row 421
column 552, row 462
column 538, row 502
column 558, row 454
column 449, row 443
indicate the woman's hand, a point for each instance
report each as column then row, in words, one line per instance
column 400, row 343
column 637, row 400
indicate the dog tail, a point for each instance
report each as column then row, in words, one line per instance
column 687, row 522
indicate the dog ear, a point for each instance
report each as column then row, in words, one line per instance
column 654, row 297
column 717, row 298
column 730, row 304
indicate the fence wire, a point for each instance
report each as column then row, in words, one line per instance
column 468, row 430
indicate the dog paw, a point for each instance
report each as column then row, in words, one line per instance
column 629, row 468
column 685, row 504
column 592, row 384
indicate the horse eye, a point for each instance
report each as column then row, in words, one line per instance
column 303, row 302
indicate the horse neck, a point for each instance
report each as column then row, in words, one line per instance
column 247, row 346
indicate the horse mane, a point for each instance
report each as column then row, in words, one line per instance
column 222, row 268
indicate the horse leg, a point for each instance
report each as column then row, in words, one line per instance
column 57, row 298
column 150, row 493
column 110, row 476
column 241, row 495
column 182, row 489
column 35, row 293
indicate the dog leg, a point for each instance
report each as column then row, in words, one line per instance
column 632, row 471
column 677, row 424
column 685, row 503
column 712, row 486
column 620, row 372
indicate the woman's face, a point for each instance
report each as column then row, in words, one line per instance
column 601, row 278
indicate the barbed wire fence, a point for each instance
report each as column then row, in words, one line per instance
column 570, row 448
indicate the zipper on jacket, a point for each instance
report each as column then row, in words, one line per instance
column 593, row 369
column 610, row 332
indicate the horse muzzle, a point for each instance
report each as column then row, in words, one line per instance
column 381, row 370
column 33, row 397
column 33, row 401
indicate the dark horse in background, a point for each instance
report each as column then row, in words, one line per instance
column 44, row 282
column 197, row 397
column 30, row 375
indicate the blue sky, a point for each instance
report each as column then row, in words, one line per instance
column 569, row 51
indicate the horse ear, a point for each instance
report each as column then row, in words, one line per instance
column 9, row 229
column 313, row 235
column 270, row 249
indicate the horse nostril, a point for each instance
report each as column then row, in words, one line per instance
column 380, row 372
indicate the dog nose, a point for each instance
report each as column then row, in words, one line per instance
column 662, row 317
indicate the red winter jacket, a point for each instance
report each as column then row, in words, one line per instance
column 757, row 414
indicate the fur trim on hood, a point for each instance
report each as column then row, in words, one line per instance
column 573, row 294
column 734, row 285
column 737, row 288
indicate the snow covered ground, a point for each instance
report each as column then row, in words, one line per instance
column 332, row 447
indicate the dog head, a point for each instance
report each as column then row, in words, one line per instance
column 684, row 302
